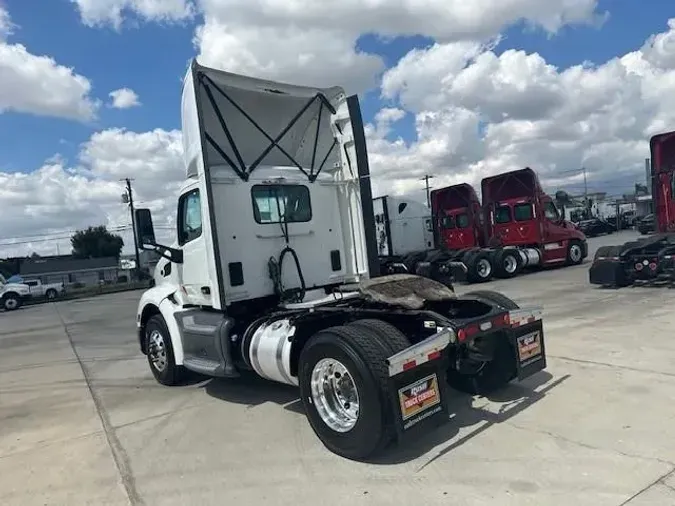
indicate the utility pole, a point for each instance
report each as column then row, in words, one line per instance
column 128, row 197
column 426, row 180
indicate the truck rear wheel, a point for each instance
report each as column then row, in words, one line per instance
column 479, row 266
column 508, row 263
column 482, row 377
column 160, row 352
column 344, row 389
column 495, row 298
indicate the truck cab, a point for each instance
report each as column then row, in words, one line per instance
column 520, row 214
column 458, row 219
column 662, row 148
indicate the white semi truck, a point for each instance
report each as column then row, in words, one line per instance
column 271, row 273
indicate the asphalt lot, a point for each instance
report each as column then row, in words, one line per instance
column 82, row 421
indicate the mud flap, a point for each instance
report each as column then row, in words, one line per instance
column 418, row 387
column 530, row 349
column 607, row 272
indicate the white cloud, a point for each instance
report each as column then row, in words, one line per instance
column 306, row 40
column 124, row 98
column 112, row 12
column 6, row 25
column 478, row 113
column 56, row 198
column 38, row 84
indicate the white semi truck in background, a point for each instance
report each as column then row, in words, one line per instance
column 274, row 273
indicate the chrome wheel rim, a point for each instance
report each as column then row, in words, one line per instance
column 11, row 304
column 510, row 264
column 575, row 252
column 334, row 394
column 157, row 350
column 484, row 268
column 51, row 294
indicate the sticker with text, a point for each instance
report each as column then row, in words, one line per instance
column 419, row 396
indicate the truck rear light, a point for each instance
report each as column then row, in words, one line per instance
column 638, row 266
column 652, row 266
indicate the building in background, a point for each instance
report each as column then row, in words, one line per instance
column 70, row 271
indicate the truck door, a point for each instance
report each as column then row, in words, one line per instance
column 193, row 272
column 554, row 234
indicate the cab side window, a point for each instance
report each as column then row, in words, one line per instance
column 189, row 217
column 551, row 212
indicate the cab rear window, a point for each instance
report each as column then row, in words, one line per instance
column 502, row 214
column 447, row 222
column 462, row 220
column 523, row 212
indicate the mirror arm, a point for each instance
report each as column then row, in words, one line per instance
column 174, row 255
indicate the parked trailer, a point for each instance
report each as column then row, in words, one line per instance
column 278, row 171
column 648, row 260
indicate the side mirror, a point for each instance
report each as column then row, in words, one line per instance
column 145, row 234
column 145, row 231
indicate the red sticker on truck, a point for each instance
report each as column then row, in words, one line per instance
column 529, row 346
column 419, row 396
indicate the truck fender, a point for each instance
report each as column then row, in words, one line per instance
column 156, row 300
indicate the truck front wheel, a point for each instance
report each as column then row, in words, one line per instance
column 160, row 352
column 11, row 301
column 343, row 386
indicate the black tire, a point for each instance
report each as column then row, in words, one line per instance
column 171, row 374
column 505, row 261
column 474, row 261
column 575, row 253
column 502, row 368
column 496, row 298
column 363, row 354
column 390, row 336
column 11, row 302
column 50, row 294
column 603, row 251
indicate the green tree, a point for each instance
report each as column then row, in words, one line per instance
column 96, row 242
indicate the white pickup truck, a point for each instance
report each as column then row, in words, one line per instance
column 39, row 290
column 12, row 295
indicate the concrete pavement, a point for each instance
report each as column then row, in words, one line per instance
column 82, row 421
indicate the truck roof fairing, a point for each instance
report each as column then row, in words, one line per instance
column 247, row 122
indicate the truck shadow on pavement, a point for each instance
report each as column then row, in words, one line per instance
column 465, row 411
column 469, row 411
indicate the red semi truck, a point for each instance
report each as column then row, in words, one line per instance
column 648, row 260
column 516, row 227
column 520, row 228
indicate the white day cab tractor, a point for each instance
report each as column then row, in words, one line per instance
column 12, row 295
column 271, row 274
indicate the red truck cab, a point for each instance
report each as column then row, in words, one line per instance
column 457, row 217
column 519, row 213
column 662, row 148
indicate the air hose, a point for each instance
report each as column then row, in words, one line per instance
column 275, row 267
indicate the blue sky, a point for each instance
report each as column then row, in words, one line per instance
column 150, row 59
